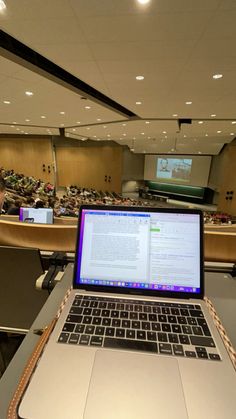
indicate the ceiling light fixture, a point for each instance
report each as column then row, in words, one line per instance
column 78, row 122
column 199, row 152
column 138, row 103
column 7, row 102
column 28, row 93
column 124, row 125
column 188, row 102
column 43, row 116
column 98, row 119
column 175, row 114
column 217, row 76
column 213, row 115
column 233, row 122
column 232, row 133
column 143, row 2
column 139, row 77
column 87, row 107
column 200, row 122
column 27, row 120
column 2, row 5
column 219, row 132
column 62, row 113
column 206, row 135
column 163, row 132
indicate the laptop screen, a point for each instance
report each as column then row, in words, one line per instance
column 36, row 215
column 140, row 249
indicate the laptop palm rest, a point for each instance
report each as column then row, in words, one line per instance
column 134, row 386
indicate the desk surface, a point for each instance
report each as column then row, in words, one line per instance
column 220, row 288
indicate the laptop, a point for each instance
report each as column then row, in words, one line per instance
column 36, row 215
column 135, row 339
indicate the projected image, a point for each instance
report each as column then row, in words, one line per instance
column 177, row 170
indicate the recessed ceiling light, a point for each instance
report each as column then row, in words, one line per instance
column 62, row 125
column 27, row 120
column 185, row 135
column 218, row 132
column 217, row 76
column 206, row 135
column 26, row 133
column 166, row 136
column 199, row 152
column 147, row 122
column 142, row 133
column 172, row 149
column 14, row 122
column 124, row 125
column 143, row 1
column 87, row 107
column 149, row 138
column 200, row 122
column 108, row 135
column 98, row 119
column 28, row 93
column 132, row 149
column 17, row 129
column 232, row 133
column 94, row 136
column 88, row 128
column 213, row 115
column 83, row 139
column 233, row 122
column 163, row 132
column 124, row 135
column 62, row 113
column 104, row 126
column 138, row 103
column 12, row 126
column 174, row 114
column 188, row 102
column 2, row 5
column 7, row 102
column 43, row 116
column 139, row 77
column 134, row 138
column 74, row 129
column 78, row 122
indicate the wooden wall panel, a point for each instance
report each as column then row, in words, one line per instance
column 27, row 156
column 228, row 181
column 88, row 166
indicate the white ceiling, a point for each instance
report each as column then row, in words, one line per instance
column 177, row 45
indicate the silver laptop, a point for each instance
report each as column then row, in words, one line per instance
column 135, row 339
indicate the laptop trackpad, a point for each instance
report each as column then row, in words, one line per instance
column 135, row 386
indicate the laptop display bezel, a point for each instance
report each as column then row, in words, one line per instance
column 132, row 291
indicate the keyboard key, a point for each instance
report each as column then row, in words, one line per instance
column 129, row 307
column 136, row 345
column 204, row 326
column 173, row 338
column 106, row 321
column 141, row 334
column 96, row 320
column 76, row 310
column 176, row 328
column 165, row 348
column 196, row 313
column 87, row 311
column 184, row 339
column 147, row 309
column 151, row 336
column 87, row 320
column 74, row 338
column 214, row 357
column 84, row 340
column 120, row 306
column 178, row 350
column 125, row 323
column 166, row 327
column 156, row 310
column 138, row 308
column 120, row 333
column 79, row 328
column 197, row 330
column 146, row 326
column 110, row 331
column 99, row 330
column 202, row 355
column 85, row 303
column 190, row 354
column 184, row 312
column 72, row 318
column 182, row 320
column 191, row 321
column 172, row 319
column 175, row 311
column 68, row 327
column 105, row 313
column 96, row 341
column 162, row 337
column 130, row 334
column 202, row 341
column 102, row 304
column 165, row 310
column 156, row 327
column 93, row 304
column 96, row 312
column 143, row 316
column 187, row 330
column 116, row 322
column 135, row 324
column 162, row 318
column 133, row 316
column 152, row 317
column 124, row 314
column 63, row 338
column 111, row 306
column 115, row 313
column 89, row 330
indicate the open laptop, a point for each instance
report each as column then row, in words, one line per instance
column 135, row 339
column 36, row 215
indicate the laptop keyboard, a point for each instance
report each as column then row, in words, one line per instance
column 149, row 326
